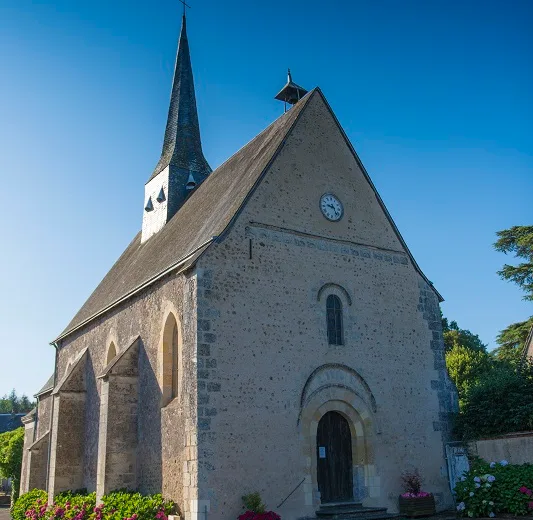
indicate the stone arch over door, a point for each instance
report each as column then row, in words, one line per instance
column 338, row 388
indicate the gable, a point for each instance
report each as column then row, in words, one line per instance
column 317, row 160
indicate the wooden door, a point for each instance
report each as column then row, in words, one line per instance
column 334, row 458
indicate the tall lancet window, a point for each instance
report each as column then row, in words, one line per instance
column 170, row 358
column 334, row 320
column 175, row 358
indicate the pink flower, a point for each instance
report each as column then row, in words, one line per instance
column 524, row 489
column 530, row 505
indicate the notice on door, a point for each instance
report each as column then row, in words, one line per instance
column 321, row 452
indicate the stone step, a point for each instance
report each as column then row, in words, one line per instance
column 363, row 515
column 346, row 512
column 376, row 516
column 338, row 505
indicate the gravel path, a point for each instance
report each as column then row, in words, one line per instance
column 4, row 513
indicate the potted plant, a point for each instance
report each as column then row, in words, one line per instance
column 415, row 502
column 255, row 509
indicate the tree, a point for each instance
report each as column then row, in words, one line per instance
column 512, row 341
column 455, row 336
column 500, row 402
column 517, row 240
column 12, row 403
column 466, row 367
column 11, row 444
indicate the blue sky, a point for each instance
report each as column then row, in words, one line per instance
column 435, row 96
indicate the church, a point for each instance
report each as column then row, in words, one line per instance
column 266, row 330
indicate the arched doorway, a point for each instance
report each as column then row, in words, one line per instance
column 334, row 458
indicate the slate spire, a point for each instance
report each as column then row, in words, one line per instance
column 182, row 147
column 182, row 166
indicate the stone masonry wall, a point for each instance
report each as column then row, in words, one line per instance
column 38, row 463
column 44, row 414
column 118, row 431
column 262, row 333
column 29, row 429
column 164, row 434
column 66, row 462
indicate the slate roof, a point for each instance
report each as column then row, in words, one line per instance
column 49, row 385
column 204, row 216
column 182, row 146
column 10, row 421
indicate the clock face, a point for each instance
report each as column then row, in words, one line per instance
column 331, row 207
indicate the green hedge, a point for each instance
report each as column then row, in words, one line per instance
column 119, row 505
column 498, row 487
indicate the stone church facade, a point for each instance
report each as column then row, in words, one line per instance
column 267, row 330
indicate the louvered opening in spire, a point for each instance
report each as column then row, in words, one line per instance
column 182, row 146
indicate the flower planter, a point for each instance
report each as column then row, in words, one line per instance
column 417, row 506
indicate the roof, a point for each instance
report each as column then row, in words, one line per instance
column 182, row 146
column 49, row 385
column 291, row 92
column 204, row 216
column 10, row 421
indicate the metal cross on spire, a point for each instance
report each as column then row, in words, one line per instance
column 184, row 6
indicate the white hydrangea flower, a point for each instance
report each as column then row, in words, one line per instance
column 492, row 464
column 503, row 463
column 471, row 493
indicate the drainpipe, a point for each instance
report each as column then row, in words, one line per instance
column 56, row 346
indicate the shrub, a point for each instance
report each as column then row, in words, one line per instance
column 11, row 444
column 121, row 505
column 500, row 401
column 118, row 505
column 493, row 488
column 70, row 505
column 252, row 502
column 36, row 498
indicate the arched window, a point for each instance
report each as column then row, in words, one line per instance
column 170, row 360
column 334, row 320
column 111, row 353
column 175, row 360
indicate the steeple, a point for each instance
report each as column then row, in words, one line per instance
column 181, row 158
column 182, row 146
